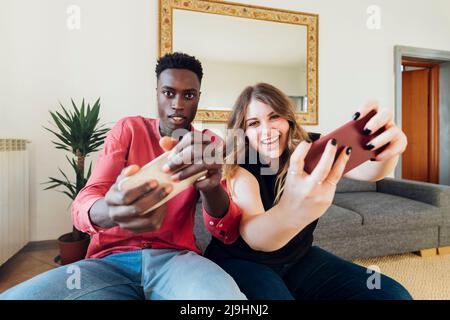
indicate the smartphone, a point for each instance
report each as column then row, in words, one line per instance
column 349, row 135
column 153, row 170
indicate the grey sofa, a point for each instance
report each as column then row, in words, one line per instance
column 369, row 219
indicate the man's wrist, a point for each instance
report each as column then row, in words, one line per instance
column 215, row 201
column 214, row 191
column 99, row 215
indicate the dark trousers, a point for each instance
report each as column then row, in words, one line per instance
column 318, row 275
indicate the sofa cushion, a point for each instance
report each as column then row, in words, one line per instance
column 338, row 222
column 444, row 236
column 349, row 185
column 374, row 244
column 381, row 212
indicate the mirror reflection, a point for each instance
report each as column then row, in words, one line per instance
column 236, row 52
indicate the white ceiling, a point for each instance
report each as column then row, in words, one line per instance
column 232, row 39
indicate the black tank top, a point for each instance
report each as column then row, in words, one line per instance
column 295, row 249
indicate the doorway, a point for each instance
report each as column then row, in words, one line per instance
column 422, row 111
column 420, row 114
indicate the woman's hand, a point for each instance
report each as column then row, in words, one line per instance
column 393, row 136
column 312, row 194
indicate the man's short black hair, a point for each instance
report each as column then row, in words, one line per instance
column 178, row 60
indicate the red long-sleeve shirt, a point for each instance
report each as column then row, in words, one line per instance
column 135, row 140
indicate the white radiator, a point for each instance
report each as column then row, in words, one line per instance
column 14, row 197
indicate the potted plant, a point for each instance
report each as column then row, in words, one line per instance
column 77, row 131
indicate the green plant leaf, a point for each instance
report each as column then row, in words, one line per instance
column 70, row 195
column 60, row 137
column 60, row 146
column 76, row 129
column 89, row 171
column 82, row 117
column 64, row 119
column 68, row 116
column 60, row 126
column 77, row 112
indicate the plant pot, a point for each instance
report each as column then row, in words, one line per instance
column 70, row 250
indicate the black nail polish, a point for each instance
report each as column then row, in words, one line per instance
column 349, row 150
column 373, row 159
column 333, row 142
column 370, row 146
column 308, row 141
column 356, row 116
column 367, row 132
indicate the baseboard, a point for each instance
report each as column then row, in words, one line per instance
column 424, row 253
column 444, row 250
column 40, row 245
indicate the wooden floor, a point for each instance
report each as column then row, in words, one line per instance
column 25, row 265
column 425, row 277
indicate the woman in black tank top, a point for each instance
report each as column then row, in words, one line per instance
column 281, row 204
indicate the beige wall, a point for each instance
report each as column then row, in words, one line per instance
column 114, row 53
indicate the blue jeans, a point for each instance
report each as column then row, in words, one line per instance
column 154, row 274
column 319, row 275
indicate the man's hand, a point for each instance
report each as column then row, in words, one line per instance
column 196, row 152
column 125, row 208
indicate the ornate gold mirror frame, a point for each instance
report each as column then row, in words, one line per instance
column 311, row 21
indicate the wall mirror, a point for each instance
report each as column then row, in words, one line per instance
column 240, row 45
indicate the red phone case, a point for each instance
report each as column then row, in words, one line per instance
column 351, row 134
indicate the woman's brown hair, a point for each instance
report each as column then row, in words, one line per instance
column 283, row 106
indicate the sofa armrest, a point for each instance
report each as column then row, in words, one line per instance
column 433, row 194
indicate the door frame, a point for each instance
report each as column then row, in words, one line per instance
column 404, row 52
column 433, row 120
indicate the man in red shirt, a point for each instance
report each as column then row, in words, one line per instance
column 151, row 256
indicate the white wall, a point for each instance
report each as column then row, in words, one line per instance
column 114, row 53
column 224, row 81
column 112, row 56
